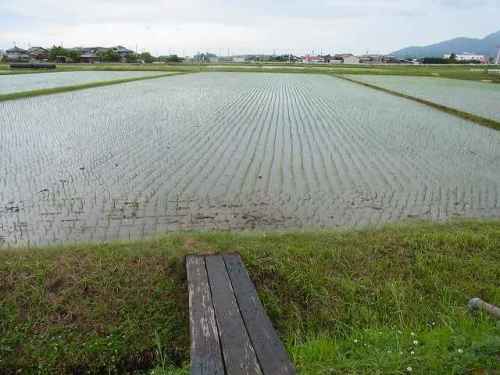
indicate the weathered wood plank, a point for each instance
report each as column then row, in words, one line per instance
column 271, row 354
column 239, row 355
column 206, row 356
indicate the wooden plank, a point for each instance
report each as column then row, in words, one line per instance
column 271, row 354
column 206, row 356
column 239, row 355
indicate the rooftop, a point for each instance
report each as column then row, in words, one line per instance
column 16, row 50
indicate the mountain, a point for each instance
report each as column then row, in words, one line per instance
column 486, row 46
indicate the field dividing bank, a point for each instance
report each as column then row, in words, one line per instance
column 84, row 86
column 349, row 302
column 464, row 72
column 234, row 151
column 487, row 122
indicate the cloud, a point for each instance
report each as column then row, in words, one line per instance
column 257, row 26
column 467, row 4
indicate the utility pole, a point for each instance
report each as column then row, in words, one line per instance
column 498, row 56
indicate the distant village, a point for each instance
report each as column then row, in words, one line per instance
column 89, row 55
column 120, row 54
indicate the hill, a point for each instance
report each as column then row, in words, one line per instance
column 486, row 46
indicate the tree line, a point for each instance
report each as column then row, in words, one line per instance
column 56, row 52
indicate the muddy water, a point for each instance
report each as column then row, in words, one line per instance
column 234, row 151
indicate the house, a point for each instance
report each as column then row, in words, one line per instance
column 308, row 59
column 345, row 58
column 351, row 59
column 90, row 55
column 469, row 57
column 391, row 60
column 371, row 59
column 124, row 53
column 17, row 54
column 88, row 52
column 239, row 59
column 38, row 53
column 89, row 58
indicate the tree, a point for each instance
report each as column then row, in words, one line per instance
column 146, row 57
column 132, row 58
column 74, row 55
column 56, row 51
column 170, row 59
column 435, row 60
column 109, row 56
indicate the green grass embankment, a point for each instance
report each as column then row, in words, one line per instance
column 391, row 300
column 465, row 72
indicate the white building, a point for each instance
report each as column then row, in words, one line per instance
column 468, row 57
column 308, row 59
column 345, row 58
column 239, row 59
column 351, row 59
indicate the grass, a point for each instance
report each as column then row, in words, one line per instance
column 342, row 301
column 62, row 89
column 466, row 72
column 452, row 111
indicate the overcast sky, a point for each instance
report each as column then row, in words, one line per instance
column 258, row 26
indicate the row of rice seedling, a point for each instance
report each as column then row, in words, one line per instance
column 12, row 83
column 235, row 151
column 479, row 98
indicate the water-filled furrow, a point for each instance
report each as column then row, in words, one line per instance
column 308, row 167
column 370, row 160
column 344, row 144
column 218, row 174
column 200, row 144
column 244, row 156
column 312, row 132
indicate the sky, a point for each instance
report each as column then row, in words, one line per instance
column 185, row 27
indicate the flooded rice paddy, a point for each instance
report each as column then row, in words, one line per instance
column 10, row 83
column 234, row 151
column 478, row 98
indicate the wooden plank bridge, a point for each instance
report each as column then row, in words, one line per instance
column 231, row 333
